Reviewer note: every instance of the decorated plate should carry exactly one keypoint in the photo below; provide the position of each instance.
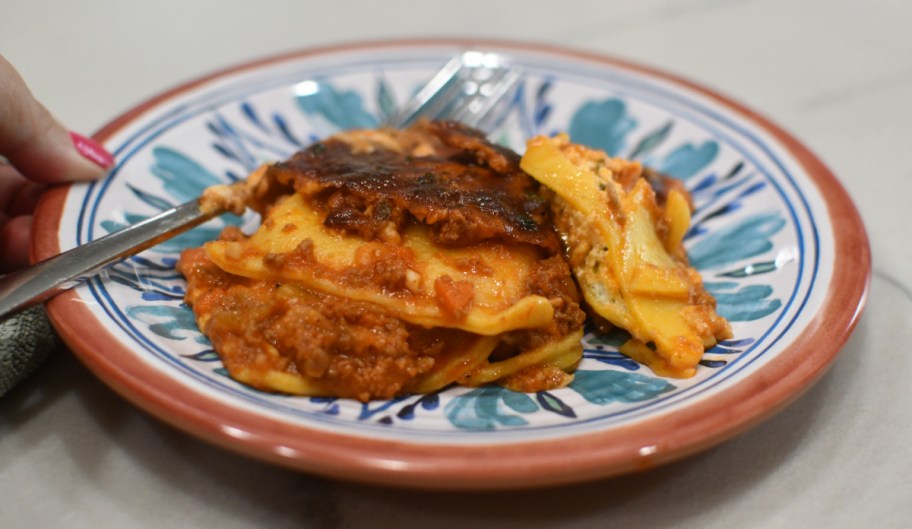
(774, 235)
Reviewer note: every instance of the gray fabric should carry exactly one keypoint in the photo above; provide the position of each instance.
(26, 339)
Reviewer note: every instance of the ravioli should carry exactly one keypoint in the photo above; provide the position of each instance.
(389, 262)
(413, 278)
(625, 249)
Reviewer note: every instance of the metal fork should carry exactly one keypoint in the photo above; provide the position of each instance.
(469, 89)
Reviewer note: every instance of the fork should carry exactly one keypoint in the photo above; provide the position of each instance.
(469, 89)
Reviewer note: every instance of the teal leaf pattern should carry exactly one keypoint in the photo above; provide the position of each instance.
(602, 125)
(385, 100)
(182, 177)
(173, 323)
(480, 408)
(651, 141)
(752, 269)
(748, 238)
(606, 387)
(342, 108)
(688, 160)
(747, 303)
(518, 402)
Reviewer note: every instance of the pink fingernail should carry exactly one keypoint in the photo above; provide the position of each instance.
(92, 150)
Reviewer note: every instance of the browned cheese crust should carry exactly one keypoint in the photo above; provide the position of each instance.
(438, 173)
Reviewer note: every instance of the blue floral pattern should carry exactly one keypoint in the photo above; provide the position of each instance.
(735, 240)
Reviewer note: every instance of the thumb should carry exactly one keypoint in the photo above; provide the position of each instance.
(36, 144)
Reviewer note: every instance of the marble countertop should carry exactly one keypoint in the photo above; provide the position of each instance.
(836, 74)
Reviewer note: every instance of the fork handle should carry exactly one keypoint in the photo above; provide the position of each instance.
(21, 289)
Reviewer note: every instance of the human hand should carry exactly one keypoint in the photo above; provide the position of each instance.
(38, 152)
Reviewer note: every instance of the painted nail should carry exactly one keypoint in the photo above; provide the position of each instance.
(92, 150)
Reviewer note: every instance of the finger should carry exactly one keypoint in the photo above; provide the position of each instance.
(26, 200)
(14, 243)
(36, 144)
(18, 196)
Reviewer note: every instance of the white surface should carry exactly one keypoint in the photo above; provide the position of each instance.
(836, 74)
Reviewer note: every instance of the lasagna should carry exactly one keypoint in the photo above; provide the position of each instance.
(389, 262)
(623, 227)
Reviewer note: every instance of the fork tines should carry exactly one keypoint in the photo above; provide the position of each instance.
(468, 89)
